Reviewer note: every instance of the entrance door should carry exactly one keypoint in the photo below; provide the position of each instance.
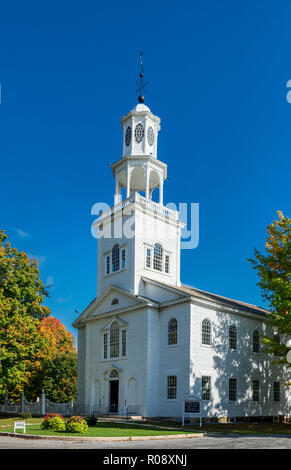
(114, 388)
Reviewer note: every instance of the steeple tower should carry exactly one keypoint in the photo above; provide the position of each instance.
(139, 169)
(152, 248)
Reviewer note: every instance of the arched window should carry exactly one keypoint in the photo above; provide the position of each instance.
(115, 302)
(114, 340)
(115, 258)
(113, 374)
(158, 256)
(206, 332)
(172, 331)
(256, 342)
(232, 337)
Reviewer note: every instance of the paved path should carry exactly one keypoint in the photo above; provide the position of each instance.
(210, 442)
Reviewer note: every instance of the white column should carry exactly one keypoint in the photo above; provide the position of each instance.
(147, 175)
(128, 181)
(116, 196)
(161, 190)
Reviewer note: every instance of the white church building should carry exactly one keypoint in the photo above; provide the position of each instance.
(147, 342)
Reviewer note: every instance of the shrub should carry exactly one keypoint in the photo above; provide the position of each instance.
(76, 424)
(91, 421)
(46, 424)
(57, 424)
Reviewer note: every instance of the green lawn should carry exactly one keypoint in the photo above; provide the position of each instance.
(107, 429)
(247, 428)
(10, 421)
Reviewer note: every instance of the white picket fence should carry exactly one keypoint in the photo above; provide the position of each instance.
(43, 406)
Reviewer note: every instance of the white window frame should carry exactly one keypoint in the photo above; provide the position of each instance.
(257, 390)
(163, 260)
(210, 387)
(206, 345)
(120, 343)
(232, 378)
(109, 254)
(173, 387)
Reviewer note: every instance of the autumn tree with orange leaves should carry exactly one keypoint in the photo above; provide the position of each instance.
(274, 269)
(29, 337)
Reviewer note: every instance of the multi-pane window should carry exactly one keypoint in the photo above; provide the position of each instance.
(158, 256)
(276, 391)
(123, 342)
(256, 390)
(256, 342)
(105, 345)
(232, 337)
(167, 264)
(206, 387)
(115, 258)
(232, 389)
(172, 387)
(172, 331)
(122, 259)
(114, 340)
(206, 332)
(148, 258)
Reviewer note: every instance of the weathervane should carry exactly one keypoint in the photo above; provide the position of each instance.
(140, 83)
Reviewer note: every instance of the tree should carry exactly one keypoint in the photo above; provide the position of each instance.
(21, 296)
(57, 350)
(60, 377)
(30, 339)
(274, 269)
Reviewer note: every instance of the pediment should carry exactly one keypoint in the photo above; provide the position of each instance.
(104, 304)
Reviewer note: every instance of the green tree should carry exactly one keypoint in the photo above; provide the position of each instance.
(21, 296)
(31, 341)
(274, 270)
(60, 377)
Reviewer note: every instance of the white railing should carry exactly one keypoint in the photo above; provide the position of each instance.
(148, 203)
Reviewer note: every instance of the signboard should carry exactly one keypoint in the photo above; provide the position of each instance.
(192, 407)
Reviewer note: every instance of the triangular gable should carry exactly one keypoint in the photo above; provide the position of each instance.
(103, 304)
(161, 292)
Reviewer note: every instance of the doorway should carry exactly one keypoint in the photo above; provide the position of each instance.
(113, 396)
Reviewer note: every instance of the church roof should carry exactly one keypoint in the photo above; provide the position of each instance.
(193, 291)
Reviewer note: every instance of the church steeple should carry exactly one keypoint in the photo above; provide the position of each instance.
(139, 170)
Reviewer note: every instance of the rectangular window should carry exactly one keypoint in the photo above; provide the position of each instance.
(232, 390)
(107, 264)
(206, 387)
(256, 390)
(167, 264)
(276, 391)
(114, 341)
(105, 346)
(122, 259)
(148, 258)
(124, 342)
(172, 387)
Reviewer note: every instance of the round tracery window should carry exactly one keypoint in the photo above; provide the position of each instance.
(150, 136)
(128, 136)
(139, 133)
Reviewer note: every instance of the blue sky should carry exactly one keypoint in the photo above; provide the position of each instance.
(217, 74)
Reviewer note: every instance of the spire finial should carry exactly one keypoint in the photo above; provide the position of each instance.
(140, 84)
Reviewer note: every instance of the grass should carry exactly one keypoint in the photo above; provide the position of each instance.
(245, 428)
(149, 428)
(108, 429)
(10, 421)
